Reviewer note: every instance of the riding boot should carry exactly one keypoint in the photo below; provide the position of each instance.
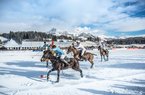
(83, 57)
(65, 62)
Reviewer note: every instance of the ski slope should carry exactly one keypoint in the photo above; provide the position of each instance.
(123, 74)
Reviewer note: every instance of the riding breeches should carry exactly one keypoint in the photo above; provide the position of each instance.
(62, 59)
(82, 52)
(62, 56)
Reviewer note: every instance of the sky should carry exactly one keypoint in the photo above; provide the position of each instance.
(98, 17)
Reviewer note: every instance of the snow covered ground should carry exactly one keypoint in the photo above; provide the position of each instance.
(123, 74)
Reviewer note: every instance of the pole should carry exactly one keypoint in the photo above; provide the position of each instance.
(35, 55)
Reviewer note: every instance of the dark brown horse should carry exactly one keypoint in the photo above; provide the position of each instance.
(103, 53)
(87, 56)
(58, 65)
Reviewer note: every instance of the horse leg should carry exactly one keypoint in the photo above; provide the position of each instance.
(78, 69)
(81, 73)
(49, 73)
(46, 63)
(92, 64)
(104, 58)
(101, 58)
(107, 57)
(58, 74)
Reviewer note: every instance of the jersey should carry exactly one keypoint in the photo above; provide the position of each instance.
(58, 51)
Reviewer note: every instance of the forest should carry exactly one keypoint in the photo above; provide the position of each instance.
(19, 36)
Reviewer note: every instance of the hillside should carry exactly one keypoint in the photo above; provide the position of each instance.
(127, 41)
(19, 36)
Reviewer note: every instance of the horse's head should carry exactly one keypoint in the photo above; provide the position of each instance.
(46, 55)
(70, 48)
(99, 47)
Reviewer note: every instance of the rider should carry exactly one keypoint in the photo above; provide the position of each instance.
(102, 44)
(45, 46)
(60, 54)
(81, 48)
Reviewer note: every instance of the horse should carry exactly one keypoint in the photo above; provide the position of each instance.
(87, 56)
(103, 53)
(44, 58)
(58, 65)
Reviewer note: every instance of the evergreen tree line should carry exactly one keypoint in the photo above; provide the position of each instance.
(127, 41)
(0, 42)
(19, 36)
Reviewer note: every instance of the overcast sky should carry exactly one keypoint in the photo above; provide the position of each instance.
(102, 17)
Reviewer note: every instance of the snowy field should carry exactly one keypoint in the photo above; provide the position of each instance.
(123, 74)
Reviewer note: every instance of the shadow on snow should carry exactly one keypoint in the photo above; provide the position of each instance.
(92, 91)
(24, 69)
(138, 88)
(138, 66)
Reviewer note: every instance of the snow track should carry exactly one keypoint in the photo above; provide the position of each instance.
(123, 74)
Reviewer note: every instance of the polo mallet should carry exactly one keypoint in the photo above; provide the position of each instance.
(35, 55)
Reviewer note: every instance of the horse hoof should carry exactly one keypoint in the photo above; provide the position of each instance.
(56, 81)
(47, 78)
(81, 75)
(91, 67)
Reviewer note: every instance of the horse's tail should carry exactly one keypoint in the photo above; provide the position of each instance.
(91, 53)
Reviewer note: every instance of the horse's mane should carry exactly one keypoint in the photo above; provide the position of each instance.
(74, 47)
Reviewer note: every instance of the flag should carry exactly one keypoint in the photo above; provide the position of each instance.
(52, 43)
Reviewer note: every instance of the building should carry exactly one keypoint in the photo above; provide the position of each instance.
(32, 45)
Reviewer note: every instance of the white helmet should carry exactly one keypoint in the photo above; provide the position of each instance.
(78, 42)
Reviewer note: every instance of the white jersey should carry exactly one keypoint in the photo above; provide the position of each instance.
(80, 47)
(103, 45)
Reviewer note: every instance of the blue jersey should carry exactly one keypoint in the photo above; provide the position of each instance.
(58, 51)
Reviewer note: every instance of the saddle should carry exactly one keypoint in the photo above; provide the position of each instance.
(59, 60)
(82, 57)
(105, 50)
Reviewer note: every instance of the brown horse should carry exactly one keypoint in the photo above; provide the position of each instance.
(58, 65)
(103, 53)
(44, 58)
(87, 56)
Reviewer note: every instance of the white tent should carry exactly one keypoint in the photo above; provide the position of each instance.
(12, 43)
